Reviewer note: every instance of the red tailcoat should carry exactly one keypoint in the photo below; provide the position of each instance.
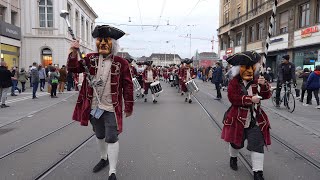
(146, 85)
(240, 107)
(133, 71)
(183, 77)
(121, 86)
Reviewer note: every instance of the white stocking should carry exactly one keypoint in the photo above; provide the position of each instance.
(153, 98)
(257, 161)
(103, 148)
(189, 95)
(113, 151)
(233, 152)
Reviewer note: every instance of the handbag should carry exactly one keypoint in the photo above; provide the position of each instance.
(54, 81)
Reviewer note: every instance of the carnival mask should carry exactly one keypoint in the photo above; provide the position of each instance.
(247, 72)
(104, 45)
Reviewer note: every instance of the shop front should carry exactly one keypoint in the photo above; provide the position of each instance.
(10, 36)
(307, 57)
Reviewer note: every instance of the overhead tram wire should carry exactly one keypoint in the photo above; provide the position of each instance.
(194, 7)
(162, 9)
(140, 14)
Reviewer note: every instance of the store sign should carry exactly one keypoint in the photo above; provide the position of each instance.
(309, 31)
(10, 30)
(276, 40)
(229, 51)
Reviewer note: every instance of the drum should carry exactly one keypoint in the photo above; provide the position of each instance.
(192, 86)
(155, 87)
(136, 85)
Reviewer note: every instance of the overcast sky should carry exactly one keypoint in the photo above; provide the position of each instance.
(202, 16)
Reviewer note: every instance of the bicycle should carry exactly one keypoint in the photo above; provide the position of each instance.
(286, 97)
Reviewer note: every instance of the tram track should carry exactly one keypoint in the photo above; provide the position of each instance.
(282, 142)
(52, 167)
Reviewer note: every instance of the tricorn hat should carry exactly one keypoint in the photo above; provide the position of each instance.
(189, 61)
(148, 63)
(140, 63)
(129, 59)
(245, 58)
(105, 31)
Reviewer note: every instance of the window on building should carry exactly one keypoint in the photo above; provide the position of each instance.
(251, 34)
(2, 13)
(77, 30)
(46, 13)
(284, 22)
(222, 45)
(14, 17)
(46, 55)
(70, 13)
(259, 30)
(229, 43)
(239, 12)
(239, 39)
(304, 14)
(82, 28)
(226, 17)
(88, 31)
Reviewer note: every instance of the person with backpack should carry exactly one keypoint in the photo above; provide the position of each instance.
(313, 85)
(305, 75)
(54, 80)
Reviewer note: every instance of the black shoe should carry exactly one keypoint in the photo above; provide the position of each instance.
(190, 101)
(182, 94)
(258, 175)
(145, 100)
(101, 164)
(19, 91)
(142, 96)
(186, 100)
(155, 101)
(277, 105)
(217, 98)
(4, 106)
(14, 95)
(233, 163)
(112, 177)
(35, 98)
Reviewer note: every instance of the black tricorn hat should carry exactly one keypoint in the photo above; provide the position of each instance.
(129, 59)
(245, 58)
(148, 63)
(183, 61)
(140, 63)
(189, 61)
(105, 31)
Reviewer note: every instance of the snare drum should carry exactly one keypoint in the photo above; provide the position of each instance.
(136, 84)
(192, 86)
(155, 87)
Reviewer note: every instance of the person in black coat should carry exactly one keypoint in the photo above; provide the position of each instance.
(69, 80)
(217, 79)
(5, 83)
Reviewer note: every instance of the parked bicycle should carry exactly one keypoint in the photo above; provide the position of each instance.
(286, 97)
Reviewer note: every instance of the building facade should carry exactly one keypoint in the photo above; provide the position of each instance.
(244, 26)
(45, 36)
(205, 59)
(164, 59)
(10, 32)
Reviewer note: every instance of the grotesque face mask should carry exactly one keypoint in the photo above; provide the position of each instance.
(104, 45)
(247, 72)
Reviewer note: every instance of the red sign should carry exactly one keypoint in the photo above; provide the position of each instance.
(229, 51)
(308, 31)
(206, 63)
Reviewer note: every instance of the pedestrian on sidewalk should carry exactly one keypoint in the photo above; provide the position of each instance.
(14, 81)
(34, 79)
(299, 71)
(69, 81)
(42, 77)
(313, 85)
(245, 119)
(62, 78)
(5, 83)
(29, 75)
(54, 79)
(23, 77)
(217, 79)
(305, 75)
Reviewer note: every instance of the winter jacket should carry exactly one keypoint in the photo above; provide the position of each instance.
(22, 76)
(5, 77)
(34, 74)
(305, 77)
(217, 75)
(53, 75)
(313, 82)
(63, 75)
(42, 73)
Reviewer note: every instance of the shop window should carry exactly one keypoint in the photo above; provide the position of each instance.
(46, 13)
(304, 15)
(2, 13)
(251, 34)
(259, 30)
(284, 22)
(46, 54)
(239, 39)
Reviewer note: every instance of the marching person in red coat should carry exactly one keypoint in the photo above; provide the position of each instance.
(133, 70)
(103, 93)
(149, 76)
(186, 74)
(245, 119)
(140, 70)
(183, 62)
